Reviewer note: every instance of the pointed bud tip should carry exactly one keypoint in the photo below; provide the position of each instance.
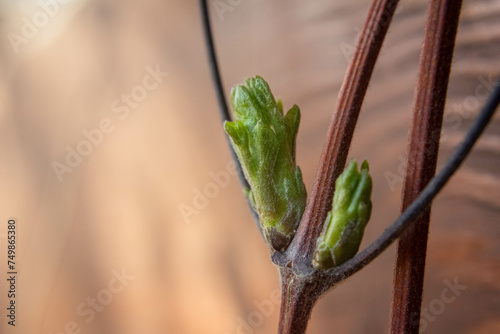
(353, 165)
(235, 131)
(365, 166)
(239, 95)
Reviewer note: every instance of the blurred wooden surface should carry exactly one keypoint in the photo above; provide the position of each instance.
(120, 208)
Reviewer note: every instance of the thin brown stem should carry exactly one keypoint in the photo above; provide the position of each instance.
(301, 290)
(430, 96)
(298, 296)
(342, 125)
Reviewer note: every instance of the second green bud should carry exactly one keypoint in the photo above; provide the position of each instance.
(344, 226)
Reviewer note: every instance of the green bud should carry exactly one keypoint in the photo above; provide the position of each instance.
(264, 141)
(344, 226)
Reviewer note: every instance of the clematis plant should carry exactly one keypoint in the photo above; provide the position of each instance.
(320, 253)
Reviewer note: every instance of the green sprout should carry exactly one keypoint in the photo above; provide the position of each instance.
(264, 141)
(344, 226)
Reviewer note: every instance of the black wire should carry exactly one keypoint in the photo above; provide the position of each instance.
(427, 195)
(221, 97)
(214, 66)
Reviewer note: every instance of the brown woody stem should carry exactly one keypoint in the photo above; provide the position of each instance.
(423, 150)
(298, 296)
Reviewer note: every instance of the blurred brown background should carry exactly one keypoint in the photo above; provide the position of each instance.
(120, 208)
